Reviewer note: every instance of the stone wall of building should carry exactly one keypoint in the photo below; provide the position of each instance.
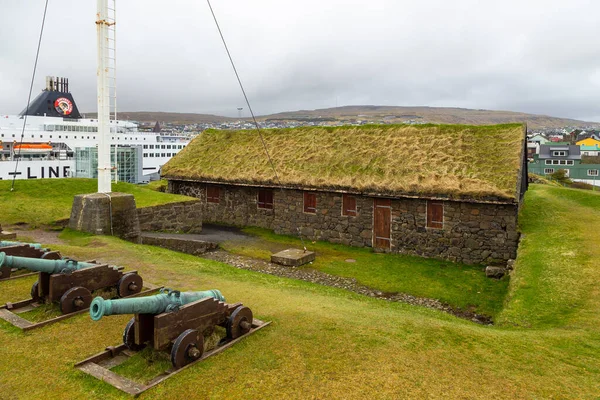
(472, 233)
(183, 217)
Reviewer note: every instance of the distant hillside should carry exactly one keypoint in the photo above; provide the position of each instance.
(438, 115)
(168, 117)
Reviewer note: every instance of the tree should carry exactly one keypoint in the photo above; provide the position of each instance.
(561, 177)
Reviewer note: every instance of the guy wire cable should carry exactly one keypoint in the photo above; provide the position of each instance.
(253, 117)
(37, 55)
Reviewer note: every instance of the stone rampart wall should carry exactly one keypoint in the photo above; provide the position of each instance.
(182, 217)
(194, 247)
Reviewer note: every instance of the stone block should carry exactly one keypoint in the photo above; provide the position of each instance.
(7, 235)
(106, 214)
(189, 246)
(293, 257)
(494, 272)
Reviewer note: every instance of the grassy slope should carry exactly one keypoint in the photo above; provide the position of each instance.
(328, 343)
(459, 285)
(436, 159)
(556, 283)
(44, 201)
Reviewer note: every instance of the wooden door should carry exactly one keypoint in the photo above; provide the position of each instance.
(382, 223)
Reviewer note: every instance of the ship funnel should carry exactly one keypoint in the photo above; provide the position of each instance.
(57, 84)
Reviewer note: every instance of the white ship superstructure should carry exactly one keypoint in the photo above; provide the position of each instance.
(55, 129)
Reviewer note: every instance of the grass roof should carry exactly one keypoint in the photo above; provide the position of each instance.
(455, 161)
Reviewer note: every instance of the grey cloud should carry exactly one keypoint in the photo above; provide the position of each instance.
(537, 56)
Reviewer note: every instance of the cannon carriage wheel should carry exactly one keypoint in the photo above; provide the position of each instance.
(239, 323)
(35, 292)
(129, 284)
(5, 272)
(129, 336)
(75, 299)
(188, 347)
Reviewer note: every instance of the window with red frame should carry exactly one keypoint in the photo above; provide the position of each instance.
(435, 214)
(310, 202)
(348, 205)
(213, 194)
(265, 199)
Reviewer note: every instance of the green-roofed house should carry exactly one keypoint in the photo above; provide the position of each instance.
(445, 191)
(590, 150)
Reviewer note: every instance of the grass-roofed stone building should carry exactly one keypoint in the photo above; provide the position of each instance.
(447, 191)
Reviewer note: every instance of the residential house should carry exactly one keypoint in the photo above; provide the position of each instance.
(590, 141)
(537, 138)
(590, 150)
(586, 135)
(567, 157)
(427, 190)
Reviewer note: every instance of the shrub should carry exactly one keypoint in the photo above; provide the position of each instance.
(561, 177)
(582, 185)
(159, 186)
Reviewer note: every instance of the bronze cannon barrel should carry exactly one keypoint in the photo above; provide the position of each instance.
(5, 243)
(42, 265)
(166, 300)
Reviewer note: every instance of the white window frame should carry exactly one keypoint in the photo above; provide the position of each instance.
(559, 153)
(548, 162)
(570, 162)
(592, 172)
(548, 171)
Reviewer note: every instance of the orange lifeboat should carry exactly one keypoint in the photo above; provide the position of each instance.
(32, 148)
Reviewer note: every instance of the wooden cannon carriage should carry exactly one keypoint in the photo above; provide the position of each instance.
(69, 283)
(170, 321)
(20, 249)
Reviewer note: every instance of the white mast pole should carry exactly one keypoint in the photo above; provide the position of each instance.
(104, 167)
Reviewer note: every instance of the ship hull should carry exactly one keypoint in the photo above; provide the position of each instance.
(36, 169)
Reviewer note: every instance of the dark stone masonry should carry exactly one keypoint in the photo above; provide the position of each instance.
(105, 214)
(472, 233)
(182, 217)
(188, 246)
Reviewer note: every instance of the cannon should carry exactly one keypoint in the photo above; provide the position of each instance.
(20, 249)
(8, 243)
(41, 265)
(70, 282)
(166, 300)
(176, 319)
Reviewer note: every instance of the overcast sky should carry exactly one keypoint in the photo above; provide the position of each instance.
(537, 56)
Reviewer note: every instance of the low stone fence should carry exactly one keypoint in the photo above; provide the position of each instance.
(182, 217)
(188, 246)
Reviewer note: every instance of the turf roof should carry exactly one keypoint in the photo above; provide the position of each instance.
(454, 161)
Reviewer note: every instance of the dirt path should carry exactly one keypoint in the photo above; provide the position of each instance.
(37, 235)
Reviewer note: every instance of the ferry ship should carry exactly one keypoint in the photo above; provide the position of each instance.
(55, 129)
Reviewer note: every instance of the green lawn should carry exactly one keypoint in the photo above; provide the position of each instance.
(556, 279)
(330, 343)
(41, 202)
(462, 286)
